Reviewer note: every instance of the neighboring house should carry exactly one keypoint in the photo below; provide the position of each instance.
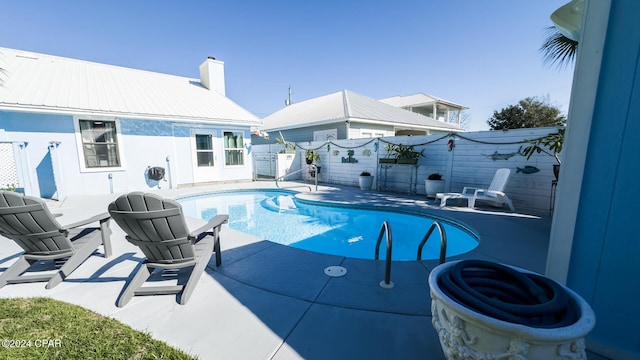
(428, 105)
(72, 127)
(347, 115)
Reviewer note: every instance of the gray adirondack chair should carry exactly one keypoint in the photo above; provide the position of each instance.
(28, 221)
(157, 226)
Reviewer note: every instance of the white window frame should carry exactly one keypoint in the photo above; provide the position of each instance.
(224, 149)
(325, 135)
(368, 133)
(213, 134)
(80, 143)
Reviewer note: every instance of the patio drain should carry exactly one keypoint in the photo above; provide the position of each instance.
(335, 271)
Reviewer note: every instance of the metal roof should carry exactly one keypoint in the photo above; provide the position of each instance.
(418, 100)
(346, 105)
(46, 83)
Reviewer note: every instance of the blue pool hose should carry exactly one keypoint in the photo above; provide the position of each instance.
(509, 295)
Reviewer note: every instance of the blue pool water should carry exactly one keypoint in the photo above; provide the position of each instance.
(344, 231)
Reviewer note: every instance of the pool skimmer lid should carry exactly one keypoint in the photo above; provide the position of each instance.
(335, 271)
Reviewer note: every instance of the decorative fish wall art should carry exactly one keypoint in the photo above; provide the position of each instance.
(497, 156)
(528, 169)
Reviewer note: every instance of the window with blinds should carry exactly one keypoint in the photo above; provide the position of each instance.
(99, 143)
(233, 148)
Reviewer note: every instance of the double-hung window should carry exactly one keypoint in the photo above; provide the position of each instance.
(233, 148)
(204, 149)
(99, 143)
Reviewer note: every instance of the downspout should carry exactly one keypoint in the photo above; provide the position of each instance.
(168, 160)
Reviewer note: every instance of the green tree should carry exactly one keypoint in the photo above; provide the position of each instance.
(528, 113)
(465, 119)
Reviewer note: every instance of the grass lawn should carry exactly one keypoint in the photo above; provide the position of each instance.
(43, 328)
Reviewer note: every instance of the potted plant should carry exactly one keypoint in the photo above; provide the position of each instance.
(289, 147)
(550, 144)
(365, 180)
(391, 151)
(407, 155)
(433, 185)
(311, 156)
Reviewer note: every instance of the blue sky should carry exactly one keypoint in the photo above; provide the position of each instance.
(481, 54)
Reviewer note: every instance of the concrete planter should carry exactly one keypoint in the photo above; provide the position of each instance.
(467, 334)
(365, 182)
(432, 187)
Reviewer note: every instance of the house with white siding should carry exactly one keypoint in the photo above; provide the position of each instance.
(428, 105)
(72, 127)
(348, 115)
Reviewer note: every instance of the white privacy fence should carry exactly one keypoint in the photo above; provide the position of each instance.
(466, 159)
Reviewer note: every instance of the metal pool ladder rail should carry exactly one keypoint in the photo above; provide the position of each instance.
(297, 171)
(385, 229)
(443, 241)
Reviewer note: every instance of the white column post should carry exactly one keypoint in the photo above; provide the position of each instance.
(56, 165)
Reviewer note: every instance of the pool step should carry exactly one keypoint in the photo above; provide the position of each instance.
(280, 203)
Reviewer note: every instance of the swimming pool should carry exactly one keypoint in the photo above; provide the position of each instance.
(322, 227)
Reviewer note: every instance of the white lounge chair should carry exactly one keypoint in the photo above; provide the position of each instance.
(493, 194)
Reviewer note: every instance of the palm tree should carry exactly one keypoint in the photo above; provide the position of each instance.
(558, 49)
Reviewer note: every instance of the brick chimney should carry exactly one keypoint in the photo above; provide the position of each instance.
(212, 75)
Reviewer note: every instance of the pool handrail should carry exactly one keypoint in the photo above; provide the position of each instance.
(385, 229)
(443, 241)
(313, 166)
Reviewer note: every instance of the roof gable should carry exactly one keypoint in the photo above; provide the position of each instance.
(49, 83)
(320, 110)
(346, 105)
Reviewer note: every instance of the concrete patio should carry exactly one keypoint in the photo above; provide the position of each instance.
(268, 301)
